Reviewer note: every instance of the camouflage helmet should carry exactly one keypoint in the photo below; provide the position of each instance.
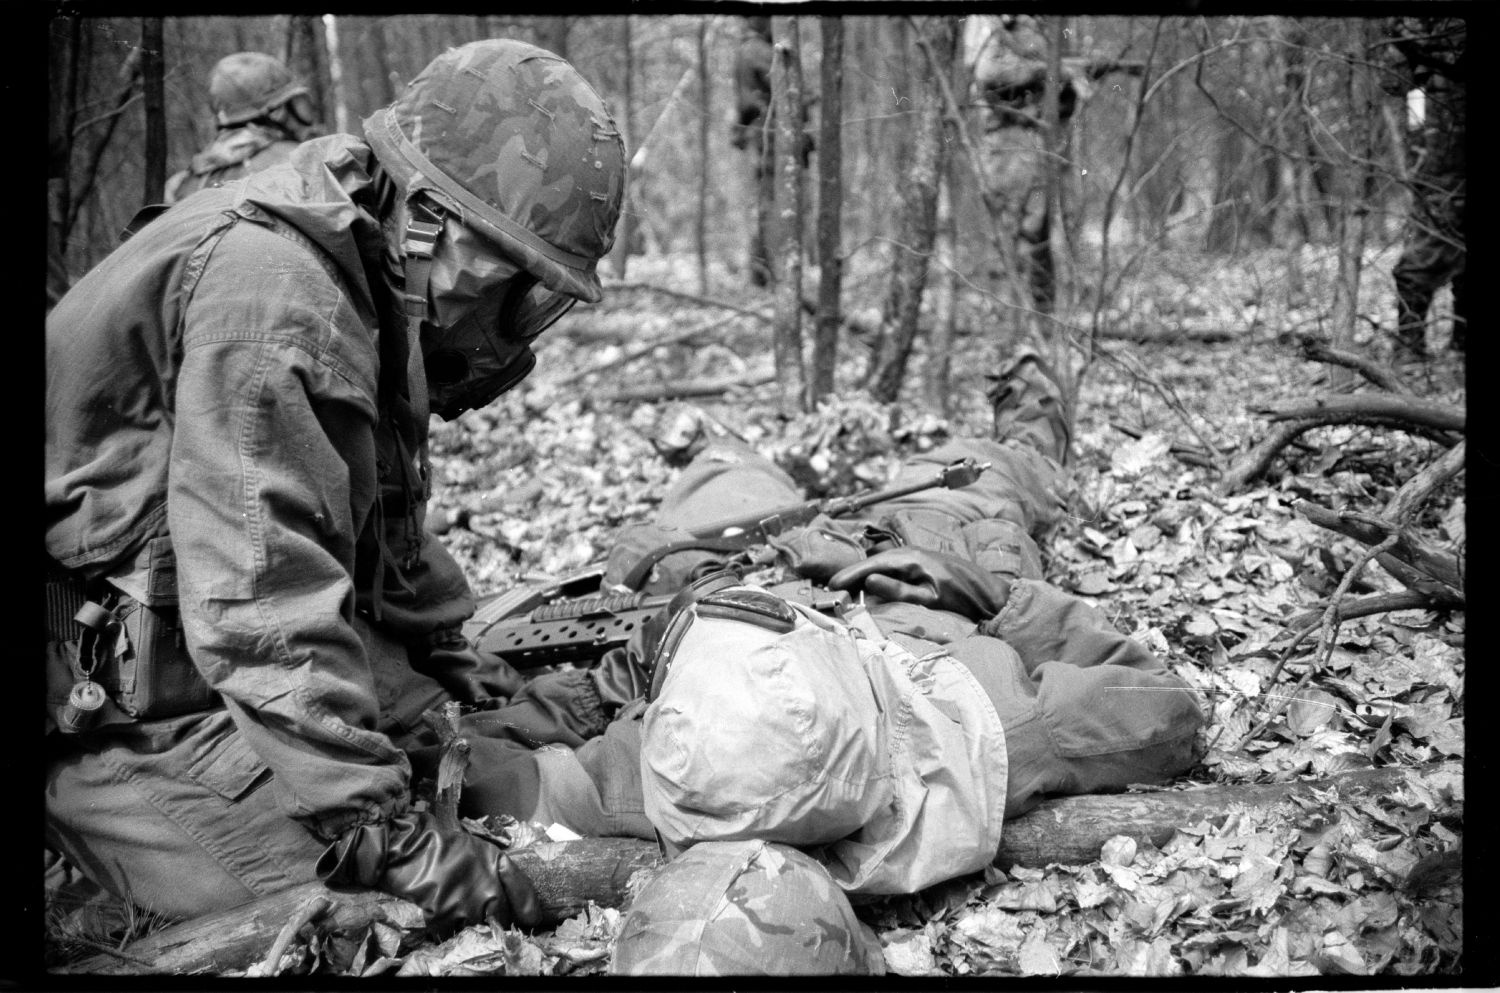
(512, 140)
(744, 908)
(247, 85)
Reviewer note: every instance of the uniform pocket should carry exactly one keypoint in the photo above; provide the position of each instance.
(229, 766)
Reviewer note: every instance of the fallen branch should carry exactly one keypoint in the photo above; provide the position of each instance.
(691, 298)
(1166, 335)
(1382, 603)
(1315, 350)
(1415, 491)
(569, 875)
(1445, 567)
(686, 388)
(1408, 413)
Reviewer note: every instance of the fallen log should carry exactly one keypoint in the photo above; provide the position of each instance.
(567, 876)
(570, 875)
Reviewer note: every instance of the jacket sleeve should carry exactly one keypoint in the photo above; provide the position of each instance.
(272, 476)
(1043, 624)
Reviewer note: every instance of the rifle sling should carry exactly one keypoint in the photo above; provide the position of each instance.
(641, 571)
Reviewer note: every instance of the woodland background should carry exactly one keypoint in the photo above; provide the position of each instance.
(1227, 218)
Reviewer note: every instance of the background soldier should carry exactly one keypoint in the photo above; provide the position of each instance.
(1010, 57)
(261, 111)
(1431, 54)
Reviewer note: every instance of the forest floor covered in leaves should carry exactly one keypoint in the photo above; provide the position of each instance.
(535, 486)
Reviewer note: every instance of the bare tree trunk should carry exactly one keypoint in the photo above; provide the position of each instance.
(705, 115)
(63, 85)
(786, 93)
(1053, 141)
(129, 74)
(918, 219)
(830, 202)
(626, 231)
(304, 56)
(336, 75)
(1358, 186)
(153, 85)
(382, 82)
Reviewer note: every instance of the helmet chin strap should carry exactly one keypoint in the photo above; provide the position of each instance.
(418, 242)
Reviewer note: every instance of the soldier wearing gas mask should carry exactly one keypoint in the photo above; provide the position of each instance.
(261, 112)
(246, 619)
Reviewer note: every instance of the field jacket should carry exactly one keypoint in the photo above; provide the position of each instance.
(217, 379)
(233, 154)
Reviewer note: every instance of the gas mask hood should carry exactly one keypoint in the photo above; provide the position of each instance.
(476, 310)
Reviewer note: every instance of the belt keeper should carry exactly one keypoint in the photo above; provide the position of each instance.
(94, 616)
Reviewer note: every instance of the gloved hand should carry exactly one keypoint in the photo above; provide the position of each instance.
(928, 579)
(455, 877)
(469, 674)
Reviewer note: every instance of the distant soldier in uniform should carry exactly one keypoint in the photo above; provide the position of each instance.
(1010, 57)
(1431, 59)
(262, 112)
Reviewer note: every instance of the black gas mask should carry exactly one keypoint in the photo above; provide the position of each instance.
(483, 312)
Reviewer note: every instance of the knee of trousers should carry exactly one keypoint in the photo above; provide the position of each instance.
(187, 830)
(595, 790)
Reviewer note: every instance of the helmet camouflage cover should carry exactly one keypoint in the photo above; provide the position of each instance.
(247, 85)
(744, 908)
(516, 143)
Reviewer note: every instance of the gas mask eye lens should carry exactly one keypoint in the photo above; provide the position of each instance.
(447, 367)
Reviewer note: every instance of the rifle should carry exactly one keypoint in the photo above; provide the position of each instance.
(571, 621)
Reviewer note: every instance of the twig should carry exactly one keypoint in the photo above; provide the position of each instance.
(1327, 631)
(686, 388)
(691, 298)
(310, 911)
(111, 951)
(641, 351)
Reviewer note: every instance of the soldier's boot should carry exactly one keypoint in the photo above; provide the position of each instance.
(1027, 400)
(684, 431)
(1413, 298)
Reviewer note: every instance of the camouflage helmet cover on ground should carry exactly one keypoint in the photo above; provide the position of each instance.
(514, 141)
(744, 908)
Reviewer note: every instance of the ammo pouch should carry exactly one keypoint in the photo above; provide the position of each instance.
(135, 650)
